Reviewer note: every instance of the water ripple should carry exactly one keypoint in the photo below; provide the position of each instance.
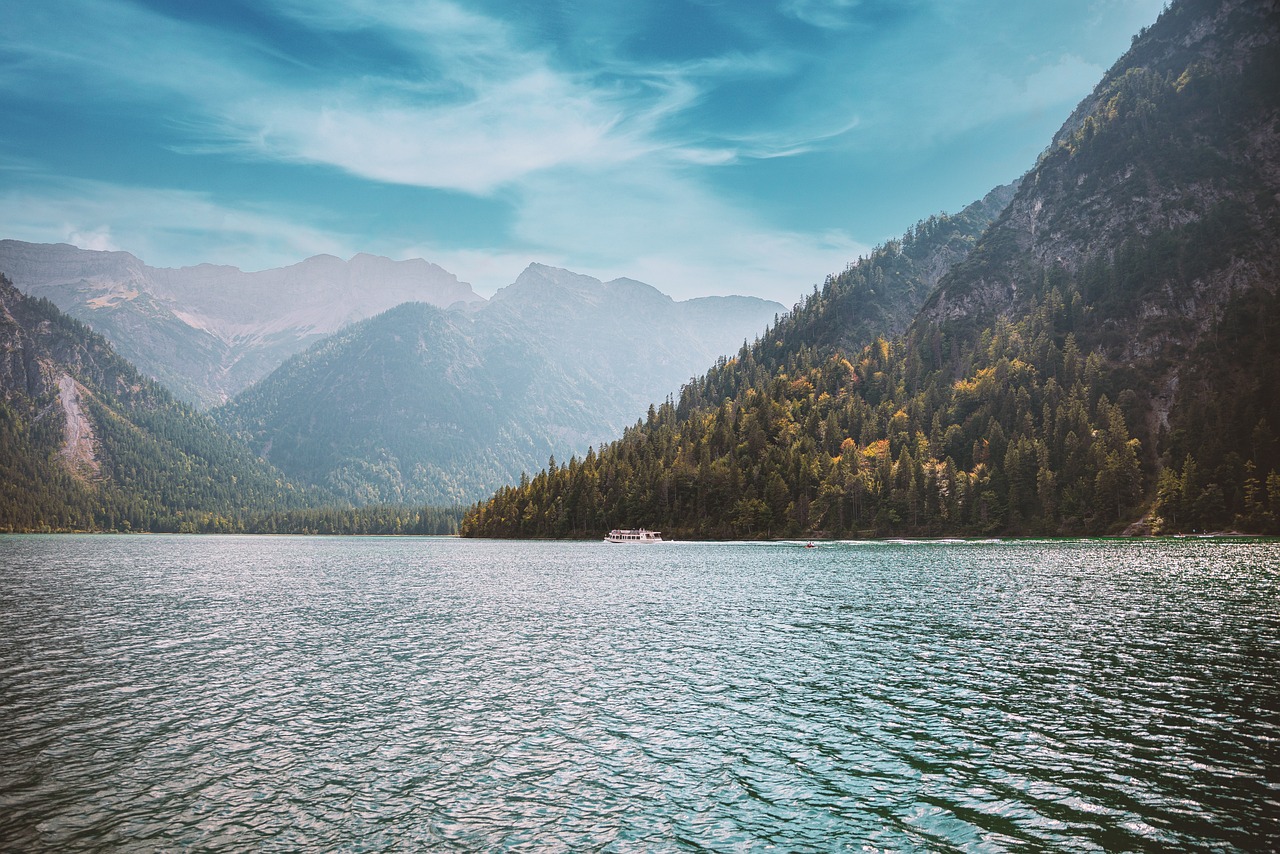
(381, 694)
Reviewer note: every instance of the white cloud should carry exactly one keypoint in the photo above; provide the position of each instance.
(481, 111)
(517, 127)
(99, 239)
(827, 14)
(162, 227)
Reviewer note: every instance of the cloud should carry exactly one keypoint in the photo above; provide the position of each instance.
(673, 234)
(475, 110)
(826, 14)
(98, 239)
(478, 109)
(519, 126)
(161, 226)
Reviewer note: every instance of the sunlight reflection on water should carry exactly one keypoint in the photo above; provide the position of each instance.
(286, 692)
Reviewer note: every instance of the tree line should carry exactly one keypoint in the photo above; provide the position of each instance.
(1033, 437)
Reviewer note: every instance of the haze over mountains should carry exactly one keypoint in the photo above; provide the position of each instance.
(209, 331)
(424, 405)
(86, 442)
(439, 400)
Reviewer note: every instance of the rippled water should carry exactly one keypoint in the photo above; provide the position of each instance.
(279, 693)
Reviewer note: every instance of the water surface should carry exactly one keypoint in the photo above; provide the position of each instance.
(286, 693)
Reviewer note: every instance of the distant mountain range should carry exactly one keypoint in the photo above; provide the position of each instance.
(393, 382)
(1104, 357)
(208, 332)
(425, 405)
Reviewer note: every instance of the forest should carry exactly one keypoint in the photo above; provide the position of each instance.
(1102, 358)
(1036, 438)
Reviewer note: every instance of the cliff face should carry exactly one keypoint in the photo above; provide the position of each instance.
(1159, 201)
(1176, 152)
(86, 442)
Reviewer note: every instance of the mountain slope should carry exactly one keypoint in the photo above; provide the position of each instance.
(207, 332)
(1156, 211)
(424, 405)
(876, 297)
(87, 443)
(1161, 179)
(1110, 346)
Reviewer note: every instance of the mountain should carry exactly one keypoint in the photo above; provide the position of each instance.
(1105, 357)
(421, 404)
(1155, 217)
(207, 332)
(87, 443)
(881, 294)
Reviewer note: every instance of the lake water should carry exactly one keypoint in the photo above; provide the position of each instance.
(291, 693)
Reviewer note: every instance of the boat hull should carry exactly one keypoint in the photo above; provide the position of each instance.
(633, 536)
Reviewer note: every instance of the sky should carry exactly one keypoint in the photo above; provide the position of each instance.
(702, 146)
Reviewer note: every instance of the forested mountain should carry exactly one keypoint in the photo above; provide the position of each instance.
(1109, 350)
(87, 443)
(209, 331)
(424, 405)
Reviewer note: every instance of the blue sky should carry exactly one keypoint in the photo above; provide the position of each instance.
(703, 146)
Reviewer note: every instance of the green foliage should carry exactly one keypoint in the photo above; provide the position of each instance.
(160, 465)
(883, 444)
(1137, 261)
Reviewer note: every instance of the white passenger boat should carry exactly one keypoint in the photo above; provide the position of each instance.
(633, 535)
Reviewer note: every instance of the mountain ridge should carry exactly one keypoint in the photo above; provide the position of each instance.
(208, 331)
(88, 443)
(1108, 351)
(421, 404)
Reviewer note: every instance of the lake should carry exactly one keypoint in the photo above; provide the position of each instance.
(370, 694)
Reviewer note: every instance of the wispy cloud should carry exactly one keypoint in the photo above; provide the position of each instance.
(163, 227)
(829, 14)
(482, 109)
(600, 149)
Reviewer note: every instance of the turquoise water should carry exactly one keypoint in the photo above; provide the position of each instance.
(282, 693)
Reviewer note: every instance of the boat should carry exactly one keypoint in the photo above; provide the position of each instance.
(810, 546)
(633, 535)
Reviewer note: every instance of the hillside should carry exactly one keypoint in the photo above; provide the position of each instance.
(424, 405)
(1108, 350)
(208, 332)
(1154, 217)
(87, 443)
